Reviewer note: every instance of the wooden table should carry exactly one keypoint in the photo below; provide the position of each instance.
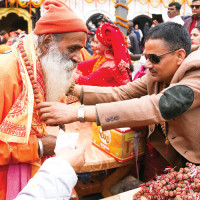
(123, 196)
(96, 159)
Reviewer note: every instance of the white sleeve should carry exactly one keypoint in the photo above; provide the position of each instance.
(54, 180)
(141, 34)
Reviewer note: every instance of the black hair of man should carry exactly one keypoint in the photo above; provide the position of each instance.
(173, 34)
(195, 0)
(197, 27)
(176, 4)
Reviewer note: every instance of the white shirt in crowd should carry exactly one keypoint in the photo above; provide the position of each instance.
(176, 19)
(54, 180)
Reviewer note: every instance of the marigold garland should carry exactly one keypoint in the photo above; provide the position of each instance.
(155, 5)
(127, 2)
(23, 5)
(189, 2)
(37, 5)
(89, 1)
(120, 4)
(101, 1)
(124, 25)
(12, 1)
(143, 3)
(167, 3)
(182, 1)
(98, 63)
(95, 56)
(121, 18)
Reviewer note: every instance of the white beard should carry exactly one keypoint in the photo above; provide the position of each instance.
(57, 73)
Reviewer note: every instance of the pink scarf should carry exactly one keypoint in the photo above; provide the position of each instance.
(140, 73)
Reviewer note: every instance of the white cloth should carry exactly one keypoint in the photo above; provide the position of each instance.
(54, 180)
(176, 19)
(141, 34)
(66, 139)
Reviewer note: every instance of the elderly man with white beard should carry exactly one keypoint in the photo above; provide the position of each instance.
(38, 68)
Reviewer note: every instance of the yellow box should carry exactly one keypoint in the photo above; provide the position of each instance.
(119, 143)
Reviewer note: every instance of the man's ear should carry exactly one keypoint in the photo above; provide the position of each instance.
(46, 42)
(181, 54)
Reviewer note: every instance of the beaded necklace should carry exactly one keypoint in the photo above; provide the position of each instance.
(163, 127)
(29, 69)
(163, 124)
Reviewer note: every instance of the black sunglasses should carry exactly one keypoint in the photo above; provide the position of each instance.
(155, 59)
(196, 6)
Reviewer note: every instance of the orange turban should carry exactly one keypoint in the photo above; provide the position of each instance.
(58, 18)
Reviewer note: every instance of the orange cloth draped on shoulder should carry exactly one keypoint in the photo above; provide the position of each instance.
(85, 55)
(19, 123)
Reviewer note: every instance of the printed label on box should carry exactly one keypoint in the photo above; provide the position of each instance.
(122, 144)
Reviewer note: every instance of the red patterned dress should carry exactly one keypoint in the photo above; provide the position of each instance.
(102, 71)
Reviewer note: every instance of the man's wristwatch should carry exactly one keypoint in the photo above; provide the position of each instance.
(81, 113)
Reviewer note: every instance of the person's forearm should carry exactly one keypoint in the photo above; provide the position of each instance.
(90, 114)
(77, 91)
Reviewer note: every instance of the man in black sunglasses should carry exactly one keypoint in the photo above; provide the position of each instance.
(167, 99)
(194, 20)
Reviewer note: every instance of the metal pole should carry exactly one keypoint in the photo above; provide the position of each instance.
(122, 12)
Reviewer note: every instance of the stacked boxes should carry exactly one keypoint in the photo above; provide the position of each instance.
(123, 143)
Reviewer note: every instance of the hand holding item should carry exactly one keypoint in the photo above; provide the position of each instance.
(155, 22)
(64, 139)
(76, 157)
(53, 113)
(76, 75)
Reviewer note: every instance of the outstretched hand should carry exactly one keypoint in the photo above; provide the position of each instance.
(54, 113)
(76, 157)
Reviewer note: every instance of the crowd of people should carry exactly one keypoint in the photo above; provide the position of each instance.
(7, 39)
(40, 69)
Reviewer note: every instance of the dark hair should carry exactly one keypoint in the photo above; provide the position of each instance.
(3, 32)
(173, 34)
(3, 40)
(176, 4)
(198, 27)
(195, 0)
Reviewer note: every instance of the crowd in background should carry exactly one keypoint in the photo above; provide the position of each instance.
(7, 39)
(135, 35)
